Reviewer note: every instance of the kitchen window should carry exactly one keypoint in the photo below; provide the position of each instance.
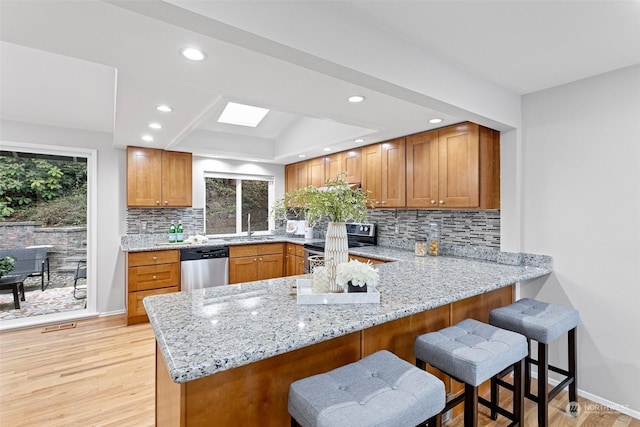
(230, 199)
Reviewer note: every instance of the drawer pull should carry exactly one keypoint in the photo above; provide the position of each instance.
(155, 258)
(155, 277)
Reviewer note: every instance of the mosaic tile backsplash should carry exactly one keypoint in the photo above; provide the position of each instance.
(396, 228)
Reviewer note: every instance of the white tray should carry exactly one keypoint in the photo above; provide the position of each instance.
(306, 296)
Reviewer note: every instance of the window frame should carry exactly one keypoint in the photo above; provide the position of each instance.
(239, 177)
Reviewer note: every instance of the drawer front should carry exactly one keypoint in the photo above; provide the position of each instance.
(243, 250)
(153, 257)
(270, 248)
(154, 277)
(135, 306)
(299, 250)
(291, 248)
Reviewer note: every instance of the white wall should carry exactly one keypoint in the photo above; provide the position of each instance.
(110, 199)
(581, 205)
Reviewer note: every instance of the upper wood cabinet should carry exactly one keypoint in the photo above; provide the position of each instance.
(454, 167)
(383, 173)
(347, 163)
(157, 178)
(352, 165)
(295, 176)
(315, 172)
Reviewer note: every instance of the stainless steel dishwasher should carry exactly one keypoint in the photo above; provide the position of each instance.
(204, 267)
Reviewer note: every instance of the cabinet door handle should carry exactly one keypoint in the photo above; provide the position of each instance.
(157, 202)
(166, 203)
(260, 259)
(383, 202)
(155, 277)
(433, 202)
(442, 202)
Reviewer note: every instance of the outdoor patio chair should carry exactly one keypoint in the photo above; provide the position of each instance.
(81, 273)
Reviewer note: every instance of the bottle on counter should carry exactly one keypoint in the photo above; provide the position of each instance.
(172, 233)
(179, 233)
(421, 246)
(434, 239)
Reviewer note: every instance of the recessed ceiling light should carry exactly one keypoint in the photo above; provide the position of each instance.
(358, 140)
(327, 149)
(147, 138)
(434, 121)
(193, 54)
(242, 115)
(155, 125)
(164, 108)
(356, 98)
(302, 155)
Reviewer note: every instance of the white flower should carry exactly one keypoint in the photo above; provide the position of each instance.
(356, 272)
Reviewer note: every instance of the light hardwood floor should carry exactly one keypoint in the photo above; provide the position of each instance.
(101, 373)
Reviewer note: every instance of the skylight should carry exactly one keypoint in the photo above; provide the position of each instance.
(243, 115)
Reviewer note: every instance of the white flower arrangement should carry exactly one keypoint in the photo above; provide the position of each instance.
(356, 272)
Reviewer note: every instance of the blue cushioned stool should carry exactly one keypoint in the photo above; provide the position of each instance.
(544, 323)
(378, 390)
(472, 352)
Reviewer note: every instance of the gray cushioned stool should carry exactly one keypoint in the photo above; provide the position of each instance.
(471, 352)
(378, 390)
(544, 323)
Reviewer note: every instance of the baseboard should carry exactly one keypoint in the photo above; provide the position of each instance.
(111, 313)
(600, 404)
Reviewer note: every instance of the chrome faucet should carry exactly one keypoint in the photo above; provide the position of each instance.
(249, 232)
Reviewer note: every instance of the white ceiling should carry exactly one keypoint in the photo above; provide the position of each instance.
(104, 66)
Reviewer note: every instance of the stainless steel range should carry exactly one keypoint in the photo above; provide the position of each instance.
(359, 234)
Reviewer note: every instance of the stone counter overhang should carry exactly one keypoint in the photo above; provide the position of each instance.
(215, 329)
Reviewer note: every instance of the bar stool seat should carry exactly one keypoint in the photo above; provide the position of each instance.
(544, 323)
(472, 352)
(378, 390)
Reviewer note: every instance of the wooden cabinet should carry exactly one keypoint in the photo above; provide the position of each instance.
(149, 273)
(294, 256)
(295, 176)
(383, 173)
(315, 172)
(352, 165)
(157, 178)
(248, 263)
(334, 166)
(454, 167)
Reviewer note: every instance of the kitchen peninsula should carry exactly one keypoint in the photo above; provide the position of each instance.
(226, 355)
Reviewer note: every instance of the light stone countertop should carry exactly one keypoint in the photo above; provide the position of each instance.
(215, 329)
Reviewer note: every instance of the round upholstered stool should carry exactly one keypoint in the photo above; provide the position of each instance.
(378, 390)
(544, 323)
(471, 352)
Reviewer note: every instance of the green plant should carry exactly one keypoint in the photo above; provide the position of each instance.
(336, 200)
(6, 265)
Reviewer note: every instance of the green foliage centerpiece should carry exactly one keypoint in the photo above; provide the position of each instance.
(338, 202)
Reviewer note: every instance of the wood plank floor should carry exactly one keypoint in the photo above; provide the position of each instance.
(101, 373)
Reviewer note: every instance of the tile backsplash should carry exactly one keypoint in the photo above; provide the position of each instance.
(157, 220)
(396, 228)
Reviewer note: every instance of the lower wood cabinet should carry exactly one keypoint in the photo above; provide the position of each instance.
(248, 263)
(294, 256)
(150, 273)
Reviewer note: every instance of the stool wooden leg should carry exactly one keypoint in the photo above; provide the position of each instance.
(518, 392)
(470, 406)
(543, 378)
(527, 370)
(573, 361)
(495, 397)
